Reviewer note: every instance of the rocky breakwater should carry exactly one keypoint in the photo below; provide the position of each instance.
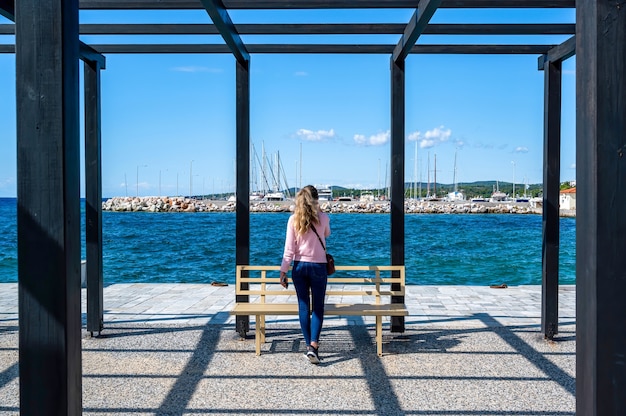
(431, 207)
(179, 204)
(464, 207)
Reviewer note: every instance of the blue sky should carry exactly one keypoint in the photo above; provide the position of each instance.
(169, 120)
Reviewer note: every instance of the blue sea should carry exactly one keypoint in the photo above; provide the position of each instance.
(441, 249)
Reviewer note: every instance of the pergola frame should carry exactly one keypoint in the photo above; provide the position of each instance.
(48, 191)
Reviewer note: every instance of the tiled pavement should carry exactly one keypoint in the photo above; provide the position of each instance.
(182, 303)
(171, 349)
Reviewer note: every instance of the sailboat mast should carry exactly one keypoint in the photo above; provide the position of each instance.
(415, 172)
(435, 184)
(454, 174)
(428, 177)
(263, 166)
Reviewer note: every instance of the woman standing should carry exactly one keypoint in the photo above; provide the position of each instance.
(307, 230)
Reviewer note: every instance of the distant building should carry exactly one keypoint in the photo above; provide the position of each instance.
(567, 199)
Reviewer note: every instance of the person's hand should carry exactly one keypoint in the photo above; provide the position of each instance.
(283, 280)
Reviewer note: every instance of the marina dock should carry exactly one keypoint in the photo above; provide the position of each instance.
(172, 349)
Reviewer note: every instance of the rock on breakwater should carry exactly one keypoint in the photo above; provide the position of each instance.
(180, 204)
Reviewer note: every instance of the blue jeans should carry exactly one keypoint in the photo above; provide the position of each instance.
(310, 281)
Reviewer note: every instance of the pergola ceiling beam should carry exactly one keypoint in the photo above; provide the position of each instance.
(319, 29)
(7, 9)
(90, 55)
(559, 53)
(87, 53)
(317, 49)
(221, 19)
(319, 4)
(414, 29)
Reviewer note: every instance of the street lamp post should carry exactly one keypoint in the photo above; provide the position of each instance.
(137, 185)
(190, 179)
(513, 162)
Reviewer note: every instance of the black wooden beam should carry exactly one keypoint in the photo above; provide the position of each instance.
(7, 9)
(313, 49)
(93, 197)
(559, 53)
(48, 214)
(317, 4)
(242, 226)
(551, 199)
(91, 56)
(318, 29)
(600, 202)
(221, 19)
(397, 178)
(414, 29)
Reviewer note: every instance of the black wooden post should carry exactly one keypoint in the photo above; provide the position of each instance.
(93, 197)
(48, 216)
(397, 178)
(600, 202)
(551, 188)
(242, 238)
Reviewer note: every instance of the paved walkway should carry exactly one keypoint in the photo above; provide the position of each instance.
(171, 349)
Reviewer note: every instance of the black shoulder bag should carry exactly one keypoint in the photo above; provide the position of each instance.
(330, 261)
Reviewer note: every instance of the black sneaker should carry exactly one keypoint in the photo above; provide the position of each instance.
(312, 355)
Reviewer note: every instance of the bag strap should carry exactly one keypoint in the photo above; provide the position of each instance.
(318, 237)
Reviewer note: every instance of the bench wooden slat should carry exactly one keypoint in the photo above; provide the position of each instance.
(386, 309)
(283, 292)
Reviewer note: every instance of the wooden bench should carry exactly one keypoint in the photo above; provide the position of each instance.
(359, 290)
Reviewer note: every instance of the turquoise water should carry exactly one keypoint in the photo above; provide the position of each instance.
(455, 249)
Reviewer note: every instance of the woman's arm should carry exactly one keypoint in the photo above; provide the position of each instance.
(290, 247)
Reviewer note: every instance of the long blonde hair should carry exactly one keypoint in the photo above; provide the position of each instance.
(305, 214)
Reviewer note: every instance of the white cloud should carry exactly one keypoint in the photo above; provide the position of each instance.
(426, 144)
(380, 138)
(196, 69)
(572, 166)
(416, 135)
(374, 140)
(521, 149)
(315, 136)
(439, 134)
(432, 137)
(301, 74)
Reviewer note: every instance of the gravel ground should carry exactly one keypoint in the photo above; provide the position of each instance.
(431, 369)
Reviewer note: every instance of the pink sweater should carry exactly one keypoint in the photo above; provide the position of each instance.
(305, 247)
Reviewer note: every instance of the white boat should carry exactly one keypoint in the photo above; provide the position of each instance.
(497, 195)
(274, 196)
(256, 196)
(455, 196)
(324, 193)
(366, 196)
(536, 202)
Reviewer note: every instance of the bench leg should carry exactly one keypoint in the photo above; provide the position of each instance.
(379, 336)
(259, 331)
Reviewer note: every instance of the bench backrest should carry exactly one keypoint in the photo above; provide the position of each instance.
(372, 282)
